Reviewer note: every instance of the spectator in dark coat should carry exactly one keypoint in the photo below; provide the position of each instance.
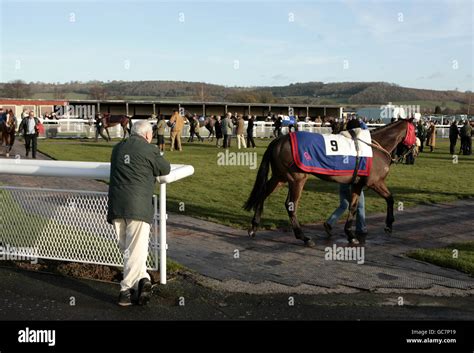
(250, 125)
(453, 136)
(277, 125)
(421, 133)
(29, 129)
(135, 164)
(466, 138)
(218, 130)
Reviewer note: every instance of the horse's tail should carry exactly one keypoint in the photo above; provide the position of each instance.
(259, 188)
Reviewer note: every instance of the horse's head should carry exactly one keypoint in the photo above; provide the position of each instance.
(10, 120)
(9, 125)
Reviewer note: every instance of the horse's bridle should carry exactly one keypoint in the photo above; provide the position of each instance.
(379, 147)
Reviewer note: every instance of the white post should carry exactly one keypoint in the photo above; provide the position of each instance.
(156, 224)
(163, 245)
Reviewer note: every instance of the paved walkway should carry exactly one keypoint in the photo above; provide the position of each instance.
(225, 258)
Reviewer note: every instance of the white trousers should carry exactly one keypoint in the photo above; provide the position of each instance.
(241, 140)
(133, 237)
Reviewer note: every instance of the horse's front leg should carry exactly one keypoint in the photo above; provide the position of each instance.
(8, 148)
(383, 191)
(124, 129)
(108, 135)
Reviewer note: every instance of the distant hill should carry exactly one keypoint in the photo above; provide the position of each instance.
(346, 93)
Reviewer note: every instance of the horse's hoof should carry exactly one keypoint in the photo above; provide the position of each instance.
(388, 230)
(353, 241)
(252, 233)
(309, 243)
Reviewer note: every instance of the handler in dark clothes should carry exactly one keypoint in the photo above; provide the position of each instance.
(135, 164)
(250, 140)
(453, 136)
(29, 128)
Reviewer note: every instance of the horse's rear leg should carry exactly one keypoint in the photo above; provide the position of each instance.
(355, 193)
(108, 135)
(383, 191)
(270, 186)
(101, 133)
(295, 187)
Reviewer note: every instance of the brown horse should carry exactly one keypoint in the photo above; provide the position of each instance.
(8, 128)
(106, 120)
(209, 123)
(279, 157)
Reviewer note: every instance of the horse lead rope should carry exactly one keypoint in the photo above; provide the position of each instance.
(379, 147)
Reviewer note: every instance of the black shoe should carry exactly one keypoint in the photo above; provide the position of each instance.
(144, 291)
(328, 229)
(125, 298)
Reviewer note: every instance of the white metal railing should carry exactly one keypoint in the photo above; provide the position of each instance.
(90, 170)
(82, 128)
(67, 225)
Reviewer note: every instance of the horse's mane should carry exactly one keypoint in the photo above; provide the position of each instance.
(381, 128)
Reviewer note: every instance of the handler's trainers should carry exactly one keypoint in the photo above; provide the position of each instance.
(125, 298)
(144, 291)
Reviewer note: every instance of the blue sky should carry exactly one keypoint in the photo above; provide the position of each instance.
(422, 44)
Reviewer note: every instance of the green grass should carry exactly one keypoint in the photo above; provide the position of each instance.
(427, 104)
(217, 193)
(444, 257)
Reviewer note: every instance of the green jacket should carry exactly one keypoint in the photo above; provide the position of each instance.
(135, 164)
(160, 126)
(466, 131)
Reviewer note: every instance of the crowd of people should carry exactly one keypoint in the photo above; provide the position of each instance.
(225, 127)
(220, 127)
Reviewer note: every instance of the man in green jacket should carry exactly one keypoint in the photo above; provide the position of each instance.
(135, 164)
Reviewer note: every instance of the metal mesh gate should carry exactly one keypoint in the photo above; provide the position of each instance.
(67, 225)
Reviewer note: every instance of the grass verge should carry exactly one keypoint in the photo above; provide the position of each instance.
(459, 256)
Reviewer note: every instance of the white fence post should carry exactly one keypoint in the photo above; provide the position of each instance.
(163, 244)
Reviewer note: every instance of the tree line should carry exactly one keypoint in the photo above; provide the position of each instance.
(295, 93)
